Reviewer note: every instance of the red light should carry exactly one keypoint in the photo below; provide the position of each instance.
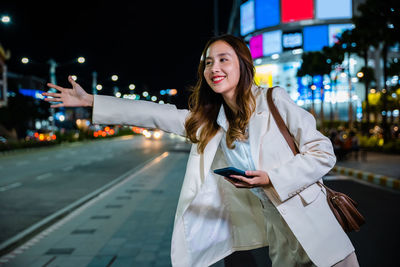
(36, 135)
(95, 134)
(112, 131)
(103, 134)
(54, 137)
(107, 129)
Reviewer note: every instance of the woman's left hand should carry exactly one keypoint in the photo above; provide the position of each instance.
(260, 179)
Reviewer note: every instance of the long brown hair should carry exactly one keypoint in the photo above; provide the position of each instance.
(204, 103)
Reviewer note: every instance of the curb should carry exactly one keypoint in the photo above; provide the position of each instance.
(373, 178)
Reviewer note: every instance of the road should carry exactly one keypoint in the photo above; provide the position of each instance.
(37, 183)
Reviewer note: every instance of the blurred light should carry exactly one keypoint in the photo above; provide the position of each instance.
(62, 118)
(36, 135)
(163, 92)
(104, 134)
(95, 134)
(118, 94)
(157, 135)
(74, 77)
(153, 98)
(5, 19)
(297, 51)
(360, 74)
(53, 137)
(383, 113)
(395, 128)
(132, 86)
(343, 75)
(300, 102)
(114, 78)
(173, 92)
(145, 94)
(112, 131)
(313, 87)
(99, 87)
(394, 95)
(354, 79)
(373, 91)
(390, 26)
(107, 129)
(81, 60)
(355, 97)
(275, 56)
(327, 87)
(258, 61)
(384, 90)
(41, 137)
(25, 60)
(395, 112)
(161, 102)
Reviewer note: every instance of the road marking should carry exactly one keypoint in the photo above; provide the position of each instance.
(10, 186)
(24, 162)
(68, 168)
(44, 176)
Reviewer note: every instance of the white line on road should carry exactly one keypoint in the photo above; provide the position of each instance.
(44, 176)
(10, 186)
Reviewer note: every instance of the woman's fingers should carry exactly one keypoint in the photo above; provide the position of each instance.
(53, 99)
(52, 94)
(57, 106)
(237, 184)
(59, 88)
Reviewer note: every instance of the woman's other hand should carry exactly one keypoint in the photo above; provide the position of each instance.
(69, 97)
(260, 179)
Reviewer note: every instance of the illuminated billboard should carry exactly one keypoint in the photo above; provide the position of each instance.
(272, 42)
(338, 9)
(247, 21)
(295, 10)
(315, 37)
(256, 46)
(266, 13)
(292, 40)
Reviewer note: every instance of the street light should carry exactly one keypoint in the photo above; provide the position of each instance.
(99, 87)
(5, 19)
(132, 86)
(114, 78)
(25, 60)
(81, 60)
(74, 77)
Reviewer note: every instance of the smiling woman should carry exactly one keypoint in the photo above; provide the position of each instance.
(229, 123)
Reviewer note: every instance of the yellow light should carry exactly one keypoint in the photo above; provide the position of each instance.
(153, 98)
(157, 135)
(373, 91)
(41, 137)
(173, 92)
(74, 77)
(25, 60)
(132, 86)
(313, 87)
(114, 78)
(384, 90)
(360, 74)
(99, 87)
(145, 94)
(81, 60)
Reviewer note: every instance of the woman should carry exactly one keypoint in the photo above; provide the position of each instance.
(229, 124)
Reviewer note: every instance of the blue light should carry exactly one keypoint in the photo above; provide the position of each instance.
(315, 37)
(266, 13)
(162, 92)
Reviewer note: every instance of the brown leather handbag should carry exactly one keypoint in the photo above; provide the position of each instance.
(342, 206)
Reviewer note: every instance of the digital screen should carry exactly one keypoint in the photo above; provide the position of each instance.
(256, 46)
(292, 40)
(266, 13)
(315, 37)
(272, 42)
(295, 10)
(336, 30)
(338, 9)
(247, 21)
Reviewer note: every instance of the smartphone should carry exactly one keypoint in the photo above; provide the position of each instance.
(229, 171)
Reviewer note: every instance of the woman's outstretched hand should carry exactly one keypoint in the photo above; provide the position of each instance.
(69, 97)
(260, 179)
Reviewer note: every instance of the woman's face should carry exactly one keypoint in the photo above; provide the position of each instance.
(222, 71)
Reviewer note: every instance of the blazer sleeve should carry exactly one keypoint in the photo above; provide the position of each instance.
(316, 157)
(113, 110)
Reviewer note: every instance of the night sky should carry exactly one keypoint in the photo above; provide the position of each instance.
(153, 44)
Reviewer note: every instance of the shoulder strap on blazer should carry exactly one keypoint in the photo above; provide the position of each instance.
(281, 124)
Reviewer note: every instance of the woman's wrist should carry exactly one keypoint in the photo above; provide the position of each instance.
(89, 100)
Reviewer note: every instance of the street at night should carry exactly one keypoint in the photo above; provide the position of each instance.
(200, 133)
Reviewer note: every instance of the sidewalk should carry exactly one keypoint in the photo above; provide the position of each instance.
(128, 225)
(378, 168)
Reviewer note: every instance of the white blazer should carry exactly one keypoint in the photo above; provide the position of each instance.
(214, 218)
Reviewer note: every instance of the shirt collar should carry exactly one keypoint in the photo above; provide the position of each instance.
(221, 119)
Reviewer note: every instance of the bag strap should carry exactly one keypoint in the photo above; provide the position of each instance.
(281, 124)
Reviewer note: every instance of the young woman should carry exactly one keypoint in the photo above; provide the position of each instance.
(229, 124)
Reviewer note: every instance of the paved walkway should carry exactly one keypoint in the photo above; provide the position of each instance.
(378, 168)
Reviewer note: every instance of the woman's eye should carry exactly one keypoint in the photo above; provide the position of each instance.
(208, 62)
(224, 59)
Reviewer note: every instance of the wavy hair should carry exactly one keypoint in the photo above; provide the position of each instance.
(204, 104)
